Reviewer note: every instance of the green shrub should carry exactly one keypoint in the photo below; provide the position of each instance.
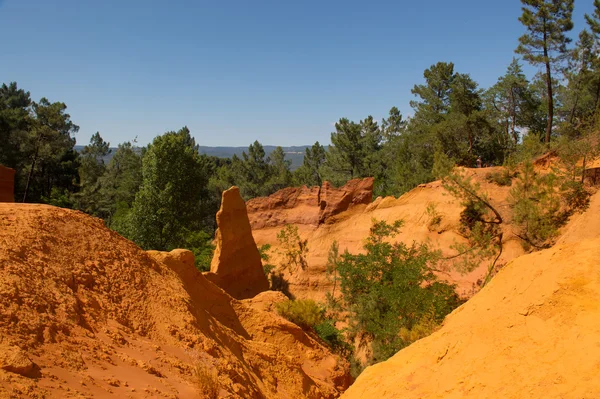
(434, 217)
(327, 331)
(390, 287)
(263, 250)
(536, 204)
(502, 177)
(200, 243)
(306, 313)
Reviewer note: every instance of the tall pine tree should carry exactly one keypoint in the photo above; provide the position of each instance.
(545, 42)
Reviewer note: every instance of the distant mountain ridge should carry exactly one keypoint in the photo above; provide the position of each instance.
(293, 153)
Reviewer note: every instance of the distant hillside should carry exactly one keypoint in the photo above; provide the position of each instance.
(294, 153)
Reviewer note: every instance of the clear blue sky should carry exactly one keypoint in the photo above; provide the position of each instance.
(278, 71)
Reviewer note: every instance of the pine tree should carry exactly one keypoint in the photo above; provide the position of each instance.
(512, 102)
(545, 42)
(310, 173)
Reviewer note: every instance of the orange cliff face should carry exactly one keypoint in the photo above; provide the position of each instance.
(532, 332)
(308, 206)
(7, 184)
(86, 313)
(349, 225)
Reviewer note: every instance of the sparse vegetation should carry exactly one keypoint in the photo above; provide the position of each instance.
(206, 376)
(480, 220)
(293, 249)
(306, 313)
(311, 316)
(501, 177)
(434, 217)
(265, 257)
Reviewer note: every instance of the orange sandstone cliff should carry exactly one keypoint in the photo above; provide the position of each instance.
(308, 206)
(86, 313)
(350, 226)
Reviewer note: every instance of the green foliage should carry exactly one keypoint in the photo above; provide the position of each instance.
(293, 249)
(15, 122)
(545, 42)
(354, 150)
(310, 173)
(91, 169)
(536, 206)
(512, 104)
(480, 220)
(47, 157)
(170, 200)
(255, 173)
(263, 250)
(434, 216)
(119, 184)
(501, 177)
(200, 243)
(424, 327)
(281, 177)
(333, 259)
(327, 331)
(390, 287)
(306, 313)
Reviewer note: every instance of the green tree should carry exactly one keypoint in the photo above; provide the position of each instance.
(354, 150)
(169, 205)
(576, 97)
(91, 168)
(15, 120)
(51, 162)
(310, 173)
(512, 103)
(391, 287)
(545, 43)
(119, 185)
(281, 177)
(434, 94)
(345, 155)
(256, 172)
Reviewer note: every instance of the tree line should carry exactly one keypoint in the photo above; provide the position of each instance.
(165, 194)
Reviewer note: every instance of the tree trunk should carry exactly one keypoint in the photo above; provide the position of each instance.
(35, 157)
(513, 116)
(583, 171)
(597, 97)
(550, 96)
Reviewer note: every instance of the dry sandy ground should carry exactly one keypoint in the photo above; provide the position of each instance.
(86, 313)
(533, 332)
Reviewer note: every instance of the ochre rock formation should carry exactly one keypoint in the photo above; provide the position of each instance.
(308, 206)
(351, 227)
(236, 265)
(532, 332)
(86, 313)
(292, 205)
(7, 184)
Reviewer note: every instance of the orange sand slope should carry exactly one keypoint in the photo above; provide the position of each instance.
(533, 332)
(86, 313)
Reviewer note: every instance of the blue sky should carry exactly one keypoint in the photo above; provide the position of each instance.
(281, 72)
